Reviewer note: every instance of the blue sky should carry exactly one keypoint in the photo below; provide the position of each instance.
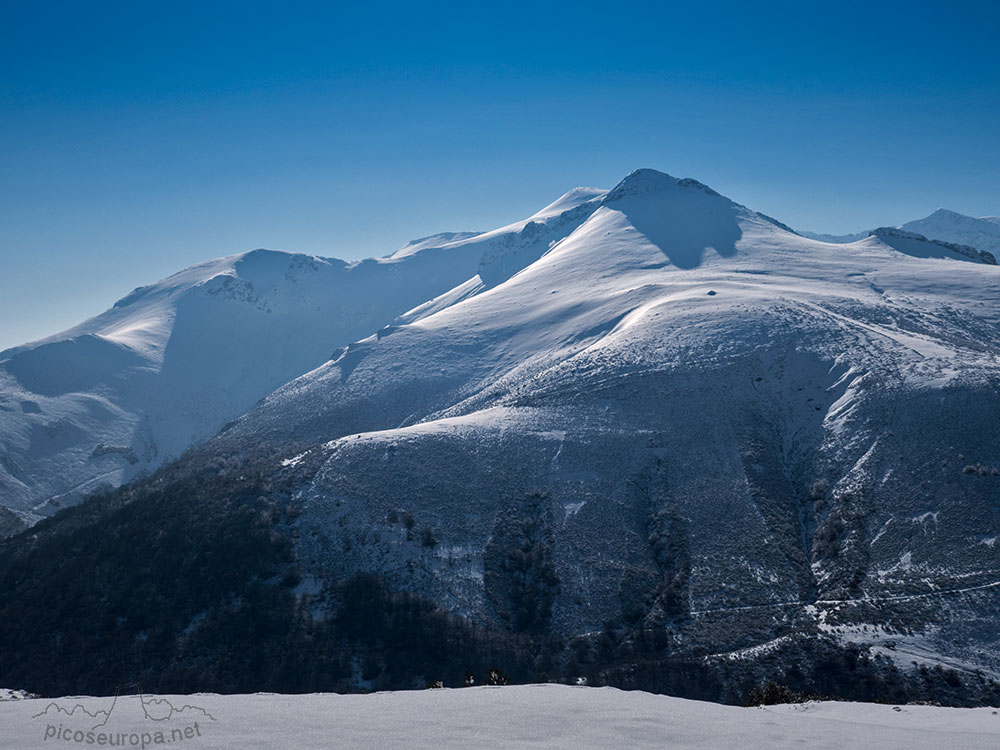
(137, 138)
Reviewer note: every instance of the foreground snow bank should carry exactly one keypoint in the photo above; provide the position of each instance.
(535, 716)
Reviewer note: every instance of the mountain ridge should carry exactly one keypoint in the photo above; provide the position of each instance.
(95, 400)
(171, 362)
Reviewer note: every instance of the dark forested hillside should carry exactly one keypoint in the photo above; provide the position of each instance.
(188, 581)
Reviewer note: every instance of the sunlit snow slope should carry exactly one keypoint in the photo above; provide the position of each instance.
(172, 362)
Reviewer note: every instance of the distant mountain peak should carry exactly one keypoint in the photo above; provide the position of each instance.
(943, 225)
(947, 212)
(982, 233)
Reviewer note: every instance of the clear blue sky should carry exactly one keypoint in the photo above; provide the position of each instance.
(137, 138)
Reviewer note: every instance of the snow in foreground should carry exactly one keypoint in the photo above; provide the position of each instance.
(536, 716)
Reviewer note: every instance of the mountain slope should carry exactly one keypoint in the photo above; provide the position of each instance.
(801, 428)
(172, 362)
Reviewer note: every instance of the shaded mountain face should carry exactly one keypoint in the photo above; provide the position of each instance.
(655, 425)
(172, 362)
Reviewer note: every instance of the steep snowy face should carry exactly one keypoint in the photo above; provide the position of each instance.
(171, 363)
(721, 428)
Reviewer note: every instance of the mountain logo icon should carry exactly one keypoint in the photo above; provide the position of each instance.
(157, 719)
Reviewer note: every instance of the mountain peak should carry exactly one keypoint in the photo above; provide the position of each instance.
(947, 213)
(982, 233)
(954, 216)
(641, 181)
(647, 180)
(947, 217)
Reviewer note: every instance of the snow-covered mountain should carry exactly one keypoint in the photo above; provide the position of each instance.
(790, 430)
(171, 363)
(949, 226)
(650, 421)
